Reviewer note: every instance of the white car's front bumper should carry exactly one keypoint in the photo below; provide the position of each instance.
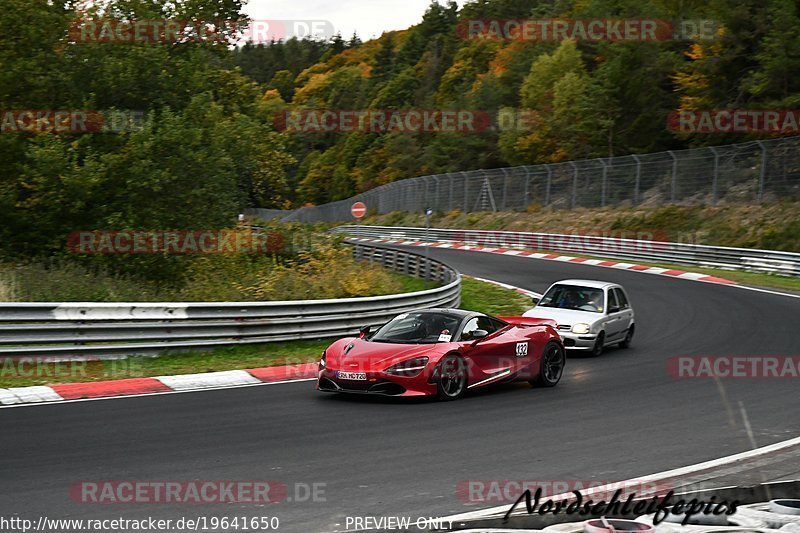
(573, 341)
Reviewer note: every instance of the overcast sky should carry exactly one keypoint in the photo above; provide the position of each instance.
(368, 17)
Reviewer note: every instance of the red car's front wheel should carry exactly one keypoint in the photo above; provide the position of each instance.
(551, 365)
(452, 382)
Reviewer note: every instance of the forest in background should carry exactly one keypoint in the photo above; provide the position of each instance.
(207, 146)
(586, 99)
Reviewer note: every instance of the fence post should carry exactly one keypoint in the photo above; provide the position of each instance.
(505, 188)
(547, 185)
(603, 186)
(527, 200)
(574, 183)
(466, 182)
(487, 186)
(763, 173)
(638, 179)
(715, 176)
(450, 202)
(674, 176)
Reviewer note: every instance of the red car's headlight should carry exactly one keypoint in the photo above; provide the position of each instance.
(322, 360)
(410, 368)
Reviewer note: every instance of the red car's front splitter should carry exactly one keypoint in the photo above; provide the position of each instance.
(376, 383)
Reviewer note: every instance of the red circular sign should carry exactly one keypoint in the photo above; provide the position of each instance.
(358, 209)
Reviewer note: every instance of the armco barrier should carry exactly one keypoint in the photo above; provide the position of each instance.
(753, 260)
(107, 330)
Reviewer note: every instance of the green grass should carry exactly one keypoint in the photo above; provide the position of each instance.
(756, 279)
(492, 299)
(476, 295)
(412, 284)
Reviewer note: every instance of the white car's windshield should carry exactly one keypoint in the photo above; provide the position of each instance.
(418, 328)
(573, 297)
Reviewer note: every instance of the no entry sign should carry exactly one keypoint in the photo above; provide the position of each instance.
(358, 209)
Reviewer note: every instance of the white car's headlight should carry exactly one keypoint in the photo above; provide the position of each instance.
(580, 328)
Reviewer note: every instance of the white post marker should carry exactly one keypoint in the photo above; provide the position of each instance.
(358, 209)
(428, 213)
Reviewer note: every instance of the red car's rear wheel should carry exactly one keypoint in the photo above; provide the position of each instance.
(452, 382)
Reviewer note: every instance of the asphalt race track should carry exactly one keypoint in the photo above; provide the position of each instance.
(614, 417)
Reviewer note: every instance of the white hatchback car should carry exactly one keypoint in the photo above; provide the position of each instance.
(590, 314)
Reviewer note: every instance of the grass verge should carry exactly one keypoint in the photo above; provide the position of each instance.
(476, 295)
(492, 299)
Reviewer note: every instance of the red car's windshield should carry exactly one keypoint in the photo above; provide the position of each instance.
(418, 328)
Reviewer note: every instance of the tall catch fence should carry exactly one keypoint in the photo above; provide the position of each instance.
(749, 172)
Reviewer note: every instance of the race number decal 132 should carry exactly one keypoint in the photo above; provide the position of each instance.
(522, 349)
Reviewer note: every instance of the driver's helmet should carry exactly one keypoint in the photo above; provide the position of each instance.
(436, 324)
(421, 326)
(571, 298)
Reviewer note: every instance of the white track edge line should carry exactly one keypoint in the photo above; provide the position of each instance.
(160, 393)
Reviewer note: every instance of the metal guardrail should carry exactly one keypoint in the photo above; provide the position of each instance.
(652, 251)
(108, 330)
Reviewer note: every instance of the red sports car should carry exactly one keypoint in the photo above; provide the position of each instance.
(443, 352)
